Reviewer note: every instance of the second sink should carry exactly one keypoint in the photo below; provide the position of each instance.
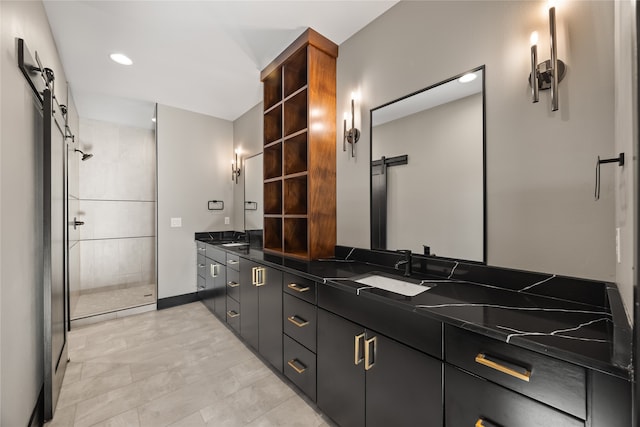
(394, 285)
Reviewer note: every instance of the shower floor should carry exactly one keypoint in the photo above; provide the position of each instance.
(113, 299)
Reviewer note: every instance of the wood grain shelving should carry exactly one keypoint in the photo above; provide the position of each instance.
(300, 149)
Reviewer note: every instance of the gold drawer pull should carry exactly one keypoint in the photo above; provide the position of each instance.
(232, 314)
(524, 375)
(293, 362)
(299, 323)
(369, 354)
(232, 262)
(233, 284)
(356, 349)
(297, 287)
(484, 423)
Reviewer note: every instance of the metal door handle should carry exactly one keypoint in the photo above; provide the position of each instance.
(504, 367)
(214, 270)
(233, 284)
(253, 275)
(202, 249)
(356, 349)
(299, 323)
(232, 262)
(201, 266)
(232, 314)
(369, 354)
(297, 287)
(293, 363)
(260, 274)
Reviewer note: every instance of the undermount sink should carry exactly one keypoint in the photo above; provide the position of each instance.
(395, 285)
(231, 245)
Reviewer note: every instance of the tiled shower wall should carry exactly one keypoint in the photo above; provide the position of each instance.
(118, 205)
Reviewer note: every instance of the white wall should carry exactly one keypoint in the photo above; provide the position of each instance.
(626, 135)
(540, 164)
(21, 339)
(248, 137)
(194, 166)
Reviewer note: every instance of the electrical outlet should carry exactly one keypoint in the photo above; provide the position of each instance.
(176, 222)
(618, 244)
(227, 220)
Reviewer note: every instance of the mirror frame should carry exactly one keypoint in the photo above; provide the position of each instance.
(484, 161)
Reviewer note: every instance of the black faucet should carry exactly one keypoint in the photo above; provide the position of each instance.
(406, 261)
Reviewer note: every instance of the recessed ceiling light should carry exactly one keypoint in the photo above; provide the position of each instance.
(467, 78)
(121, 58)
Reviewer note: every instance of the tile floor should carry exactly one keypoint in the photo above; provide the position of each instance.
(112, 299)
(175, 367)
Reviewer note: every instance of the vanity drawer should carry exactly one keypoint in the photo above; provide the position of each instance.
(233, 284)
(300, 320)
(300, 367)
(201, 248)
(543, 378)
(473, 401)
(202, 284)
(201, 266)
(216, 254)
(233, 314)
(300, 287)
(233, 261)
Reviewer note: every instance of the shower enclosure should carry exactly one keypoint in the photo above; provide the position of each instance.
(116, 211)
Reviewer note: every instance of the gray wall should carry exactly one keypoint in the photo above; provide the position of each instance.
(21, 340)
(540, 165)
(194, 154)
(247, 136)
(117, 204)
(436, 199)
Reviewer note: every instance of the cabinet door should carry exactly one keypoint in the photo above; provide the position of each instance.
(248, 303)
(403, 385)
(208, 291)
(341, 374)
(219, 293)
(270, 315)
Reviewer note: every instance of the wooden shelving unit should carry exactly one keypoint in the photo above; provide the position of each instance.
(300, 149)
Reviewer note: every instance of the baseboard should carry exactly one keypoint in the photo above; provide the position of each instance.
(37, 416)
(176, 300)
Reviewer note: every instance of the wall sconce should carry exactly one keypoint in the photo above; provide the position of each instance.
(549, 73)
(352, 135)
(236, 167)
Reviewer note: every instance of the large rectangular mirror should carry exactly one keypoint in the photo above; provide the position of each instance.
(428, 170)
(253, 207)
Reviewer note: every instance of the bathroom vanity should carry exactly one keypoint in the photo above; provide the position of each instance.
(479, 346)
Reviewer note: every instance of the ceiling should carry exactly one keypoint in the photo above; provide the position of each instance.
(201, 56)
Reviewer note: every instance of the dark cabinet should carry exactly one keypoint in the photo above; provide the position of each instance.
(215, 292)
(261, 320)
(365, 377)
(471, 400)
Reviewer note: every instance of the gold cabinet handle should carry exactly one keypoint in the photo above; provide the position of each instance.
(260, 276)
(369, 354)
(356, 349)
(293, 363)
(254, 280)
(232, 262)
(297, 287)
(214, 270)
(201, 266)
(294, 319)
(202, 249)
(484, 423)
(233, 284)
(232, 314)
(519, 373)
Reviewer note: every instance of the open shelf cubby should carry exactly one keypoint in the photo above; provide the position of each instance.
(273, 198)
(295, 113)
(273, 161)
(273, 125)
(273, 233)
(273, 89)
(295, 154)
(295, 195)
(295, 236)
(295, 72)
